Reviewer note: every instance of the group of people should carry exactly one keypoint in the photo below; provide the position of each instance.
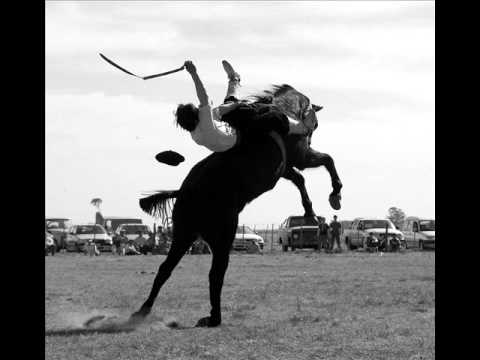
(124, 246)
(140, 245)
(329, 234)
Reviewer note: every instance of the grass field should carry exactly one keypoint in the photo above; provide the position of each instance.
(276, 306)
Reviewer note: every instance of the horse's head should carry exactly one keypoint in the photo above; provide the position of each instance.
(297, 106)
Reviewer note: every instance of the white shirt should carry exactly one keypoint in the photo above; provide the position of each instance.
(208, 134)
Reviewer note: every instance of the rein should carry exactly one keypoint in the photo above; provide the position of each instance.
(141, 77)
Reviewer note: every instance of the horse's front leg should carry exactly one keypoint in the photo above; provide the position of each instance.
(315, 159)
(297, 179)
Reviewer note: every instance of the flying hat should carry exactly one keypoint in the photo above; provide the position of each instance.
(169, 157)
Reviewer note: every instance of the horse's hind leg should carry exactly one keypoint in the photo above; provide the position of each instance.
(182, 240)
(220, 243)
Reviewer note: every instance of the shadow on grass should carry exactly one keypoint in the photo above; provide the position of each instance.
(75, 332)
(110, 329)
(98, 324)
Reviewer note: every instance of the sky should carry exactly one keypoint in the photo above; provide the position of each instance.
(371, 64)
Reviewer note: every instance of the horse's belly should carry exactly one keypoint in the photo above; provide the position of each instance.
(228, 179)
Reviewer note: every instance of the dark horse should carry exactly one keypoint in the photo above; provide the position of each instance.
(217, 189)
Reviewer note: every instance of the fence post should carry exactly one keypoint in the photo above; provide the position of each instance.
(155, 243)
(386, 238)
(271, 239)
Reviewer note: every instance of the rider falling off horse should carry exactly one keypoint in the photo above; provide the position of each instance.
(202, 121)
(199, 121)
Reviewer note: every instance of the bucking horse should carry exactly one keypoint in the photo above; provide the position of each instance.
(217, 188)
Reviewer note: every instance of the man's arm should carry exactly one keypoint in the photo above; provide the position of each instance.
(201, 92)
(226, 108)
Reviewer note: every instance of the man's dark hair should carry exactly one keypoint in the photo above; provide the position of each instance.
(186, 116)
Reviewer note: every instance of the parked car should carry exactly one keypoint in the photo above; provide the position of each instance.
(244, 237)
(131, 230)
(58, 228)
(79, 235)
(419, 232)
(298, 232)
(111, 223)
(356, 235)
(49, 244)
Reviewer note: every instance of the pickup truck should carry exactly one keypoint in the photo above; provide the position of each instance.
(419, 232)
(298, 232)
(356, 235)
(244, 237)
(79, 235)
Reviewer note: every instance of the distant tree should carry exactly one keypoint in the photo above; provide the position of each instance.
(397, 216)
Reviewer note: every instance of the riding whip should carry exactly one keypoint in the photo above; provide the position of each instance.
(141, 77)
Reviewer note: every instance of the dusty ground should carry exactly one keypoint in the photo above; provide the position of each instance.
(276, 306)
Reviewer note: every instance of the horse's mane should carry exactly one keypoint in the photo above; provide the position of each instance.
(285, 97)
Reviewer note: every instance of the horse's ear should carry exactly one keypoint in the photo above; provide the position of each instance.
(316, 107)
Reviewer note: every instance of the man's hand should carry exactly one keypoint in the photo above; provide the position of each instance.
(190, 67)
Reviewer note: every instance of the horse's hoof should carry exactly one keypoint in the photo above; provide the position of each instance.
(207, 322)
(334, 200)
(139, 315)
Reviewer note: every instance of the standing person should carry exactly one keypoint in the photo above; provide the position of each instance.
(116, 244)
(123, 242)
(322, 233)
(162, 247)
(199, 121)
(141, 242)
(150, 243)
(336, 228)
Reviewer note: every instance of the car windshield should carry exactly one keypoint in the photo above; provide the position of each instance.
(427, 225)
(57, 224)
(90, 229)
(134, 229)
(244, 230)
(302, 221)
(377, 224)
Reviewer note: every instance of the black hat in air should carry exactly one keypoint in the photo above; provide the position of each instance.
(169, 157)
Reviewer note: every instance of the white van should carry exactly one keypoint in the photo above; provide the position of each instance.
(419, 232)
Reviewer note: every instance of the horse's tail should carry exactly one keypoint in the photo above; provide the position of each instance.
(159, 204)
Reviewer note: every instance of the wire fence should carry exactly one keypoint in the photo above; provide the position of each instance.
(269, 234)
